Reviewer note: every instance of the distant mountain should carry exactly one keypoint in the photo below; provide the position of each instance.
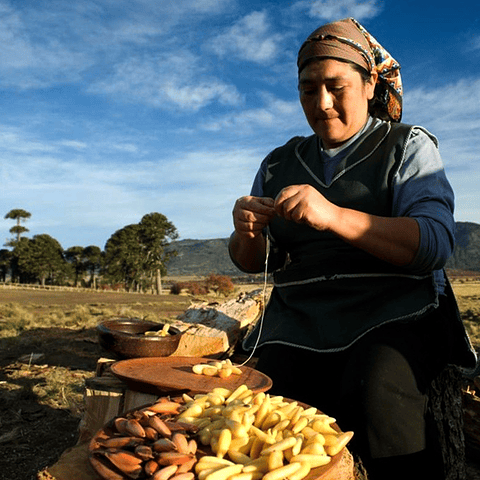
(202, 257)
(467, 247)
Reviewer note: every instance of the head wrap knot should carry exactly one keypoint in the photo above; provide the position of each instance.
(347, 40)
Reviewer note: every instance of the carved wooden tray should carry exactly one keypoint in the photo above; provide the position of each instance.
(174, 374)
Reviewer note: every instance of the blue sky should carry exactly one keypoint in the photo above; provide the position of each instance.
(112, 109)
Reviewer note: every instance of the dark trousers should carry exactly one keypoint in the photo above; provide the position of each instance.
(377, 388)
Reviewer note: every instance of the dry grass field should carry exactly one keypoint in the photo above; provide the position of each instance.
(48, 347)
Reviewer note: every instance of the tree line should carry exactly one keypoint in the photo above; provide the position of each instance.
(135, 256)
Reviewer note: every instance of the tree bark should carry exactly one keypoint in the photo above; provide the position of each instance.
(158, 280)
(445, 415)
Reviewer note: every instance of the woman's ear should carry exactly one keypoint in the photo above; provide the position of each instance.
(370, 84)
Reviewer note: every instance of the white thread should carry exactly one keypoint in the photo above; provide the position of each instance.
(264, 295)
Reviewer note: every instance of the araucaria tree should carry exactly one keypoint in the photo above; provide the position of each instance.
(136, 254)
(19, 215)
(156, 232)
(39, 259)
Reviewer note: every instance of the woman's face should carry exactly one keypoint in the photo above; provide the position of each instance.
(335, 99)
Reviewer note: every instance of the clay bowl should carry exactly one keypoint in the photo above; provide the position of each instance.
(125, 337)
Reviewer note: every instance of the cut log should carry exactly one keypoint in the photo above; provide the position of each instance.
(103, 398)
(212, 329)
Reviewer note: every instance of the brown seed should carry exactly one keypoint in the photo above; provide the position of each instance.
(134, 428)
(182, 426)
(165, 407)
(165, 473)
(126, 462)
(121, 442)
(104, 470)
(173, 458)
(121, 425)
(144, 452)
(184, 476)
(150, 433)
(164, 445)
(151, 467)
(181, 442)
(192, 446)
(186, 467)
(159, 425)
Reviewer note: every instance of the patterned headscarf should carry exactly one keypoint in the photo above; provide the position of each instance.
(348, 40)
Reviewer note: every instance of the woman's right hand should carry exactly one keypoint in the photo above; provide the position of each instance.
(251, 215)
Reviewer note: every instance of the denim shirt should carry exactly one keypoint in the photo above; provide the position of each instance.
(420, 191)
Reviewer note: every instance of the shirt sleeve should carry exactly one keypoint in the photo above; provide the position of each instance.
(421, 191)
(257, 186)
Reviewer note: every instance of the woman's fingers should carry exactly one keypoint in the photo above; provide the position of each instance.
(304, 204)
(252, 214)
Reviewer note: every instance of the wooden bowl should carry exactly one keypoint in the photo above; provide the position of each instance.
(341, 467)
(125, 337)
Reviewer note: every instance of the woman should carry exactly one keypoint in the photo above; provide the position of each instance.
(360, 220)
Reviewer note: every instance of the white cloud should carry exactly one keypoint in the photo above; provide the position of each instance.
(450, 111)
(28, 63)
(249, 39)
(167, 81)
(75, 144)
(56, 43)
(276, 114)
(331, 10)
(95, 200)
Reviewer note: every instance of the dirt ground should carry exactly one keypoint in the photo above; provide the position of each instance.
(42, 375)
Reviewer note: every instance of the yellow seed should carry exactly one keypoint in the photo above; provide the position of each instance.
(224, 473)
(275, 460)
(301, 473)
(210, 371)
(236, 393)
(237, 457)
(258, 465)
(225, 372)
(272, 419)
(240, 443)
(296, 449)
(308, 432)
(224, 441)
(318, 438)
(224, 392)
(198, 369)
(238, 429)
(194, 411)
(343, 439)
(262, 412)
(281, 445)
(300, 425)
(259, 398)
(264, 436)
(323, 426)
(288, 409)
(215, 399)
(314, 448)
(308, 412)
(247, 476)
(281, 426)
(202, 474)
(256, 448)
(282, 473)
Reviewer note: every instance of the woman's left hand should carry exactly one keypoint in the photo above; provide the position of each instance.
(305, 204)
(393, 239)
